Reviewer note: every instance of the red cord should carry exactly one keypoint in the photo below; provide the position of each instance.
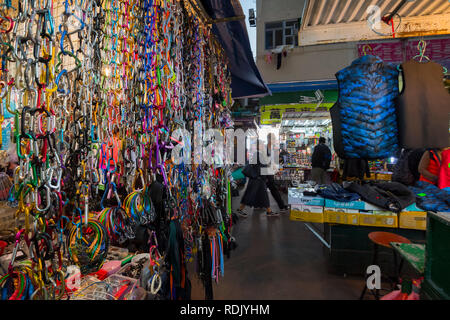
(393, 29)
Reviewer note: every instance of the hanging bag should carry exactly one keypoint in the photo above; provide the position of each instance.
(402, 172)
(250, 171)
(368, 90)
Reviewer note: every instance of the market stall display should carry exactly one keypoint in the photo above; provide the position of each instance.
(299, 133)
(378, 204)
(365, 128)
(341, 221)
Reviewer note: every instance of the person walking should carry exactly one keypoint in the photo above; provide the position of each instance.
(320, 161)
(255, 194)
(270, 182)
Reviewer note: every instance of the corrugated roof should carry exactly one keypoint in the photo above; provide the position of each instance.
(325, 12)
(333, 21)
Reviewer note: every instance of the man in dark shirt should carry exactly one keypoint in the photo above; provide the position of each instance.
(321, 159)
(283, 155)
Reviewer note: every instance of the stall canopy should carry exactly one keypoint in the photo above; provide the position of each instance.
(229, 26)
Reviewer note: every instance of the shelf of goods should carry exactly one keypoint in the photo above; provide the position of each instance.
(98, 91)
(320, 210)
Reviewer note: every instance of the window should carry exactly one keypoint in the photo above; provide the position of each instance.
(281, 33)
(275, 114)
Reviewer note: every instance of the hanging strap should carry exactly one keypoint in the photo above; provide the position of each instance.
(435, 156)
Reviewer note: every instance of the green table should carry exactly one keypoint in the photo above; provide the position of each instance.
(414, 254)
(436, 285)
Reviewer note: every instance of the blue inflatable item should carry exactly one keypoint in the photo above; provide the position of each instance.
(368, 90)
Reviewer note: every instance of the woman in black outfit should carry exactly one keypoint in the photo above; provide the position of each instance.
(255, 194)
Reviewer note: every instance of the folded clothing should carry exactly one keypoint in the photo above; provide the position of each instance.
(336, 192)
(310, 193)
(392, 196)
(430, 198)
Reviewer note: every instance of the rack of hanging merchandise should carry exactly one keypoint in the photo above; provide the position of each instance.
(97, 89)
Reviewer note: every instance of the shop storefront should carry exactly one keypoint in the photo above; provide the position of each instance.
(381, 199)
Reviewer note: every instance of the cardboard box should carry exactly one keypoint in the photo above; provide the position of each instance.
(296, 197)
(375, 218)
(356, 205)
(307, 213)
(413, 220)
(384, 176)
(306, 208)
(340, 217)
(373, 176)
(412, 217)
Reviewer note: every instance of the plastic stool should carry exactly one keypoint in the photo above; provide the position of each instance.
(384, 239)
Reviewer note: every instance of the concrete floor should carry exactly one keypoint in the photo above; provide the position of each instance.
(277, 259)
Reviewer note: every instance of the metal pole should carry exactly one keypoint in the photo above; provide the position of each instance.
(318, 235)
(387, 19)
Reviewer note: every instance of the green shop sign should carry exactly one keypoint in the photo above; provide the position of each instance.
(274, 113)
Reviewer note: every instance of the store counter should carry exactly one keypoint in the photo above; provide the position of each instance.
(319, 210)
(343, 228)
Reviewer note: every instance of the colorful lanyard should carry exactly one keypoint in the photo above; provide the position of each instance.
(96, 88)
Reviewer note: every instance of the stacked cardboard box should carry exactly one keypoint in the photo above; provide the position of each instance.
(305, 208)
(320, 210)
(413, 217)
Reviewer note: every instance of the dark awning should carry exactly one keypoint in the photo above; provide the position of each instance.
(246, 81)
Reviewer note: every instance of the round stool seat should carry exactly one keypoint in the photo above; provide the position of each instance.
(385, 238)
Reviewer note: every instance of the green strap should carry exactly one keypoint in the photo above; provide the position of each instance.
(229, 197)
(126, 260)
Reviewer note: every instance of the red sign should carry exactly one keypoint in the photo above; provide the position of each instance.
(388, 51)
